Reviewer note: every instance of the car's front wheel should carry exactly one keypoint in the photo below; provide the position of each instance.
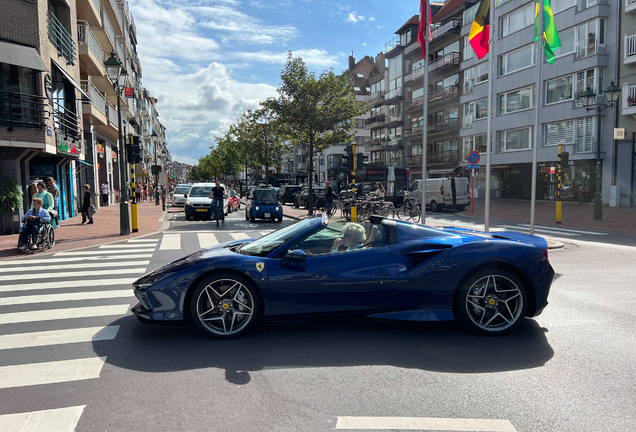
(225, 306)
(491, 301)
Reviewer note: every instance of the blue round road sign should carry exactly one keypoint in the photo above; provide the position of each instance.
(473, 158)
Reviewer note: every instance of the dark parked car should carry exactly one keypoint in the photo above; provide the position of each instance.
(287, 193)
(362, 189)
(302, 198)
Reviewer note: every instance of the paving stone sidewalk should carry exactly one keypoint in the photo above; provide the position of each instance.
(73, 234)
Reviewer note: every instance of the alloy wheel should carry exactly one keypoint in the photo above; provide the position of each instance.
(494, 303)
(225, 307)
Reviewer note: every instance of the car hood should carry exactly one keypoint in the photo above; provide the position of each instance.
(199, 200)
(468, 235)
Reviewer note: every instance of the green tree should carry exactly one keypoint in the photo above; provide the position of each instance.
(317, 111)
(268, 147)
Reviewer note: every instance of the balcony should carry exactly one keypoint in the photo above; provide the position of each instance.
(446, 92)
(397, 42)
(629, 100)
(375, 98)
(391, 143)
(393, 95)
(66, 122)
(62, 40)
(630, 49)
(376, 142)
(106, 33)
(630, 6)
(393, 120)
(586, 49)
(375, 122)
(451, 27)
(414, 104)
(469, 14)
(95, 110)
(90, 51)
(447, 61)
(413, 133)
(113, 119)
(22, 110)
(444, 156)
(417, 73)
(443, 126)
(414, 161)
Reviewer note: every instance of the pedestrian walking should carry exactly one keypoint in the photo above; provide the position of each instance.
(163, 191)
(48, 202)
(105, 193)
(138, 191)
(145, 192)
(151, 191)
(51, 187)
(329, 197)
(87, 205)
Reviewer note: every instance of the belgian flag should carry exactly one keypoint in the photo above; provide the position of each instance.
(480, 31)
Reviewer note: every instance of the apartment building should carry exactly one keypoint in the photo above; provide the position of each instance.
(588, 30)
(625, 150)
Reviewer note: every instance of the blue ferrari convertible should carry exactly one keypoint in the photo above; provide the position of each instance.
(382, 268)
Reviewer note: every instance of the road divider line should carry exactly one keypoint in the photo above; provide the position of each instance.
(57, 337)
(120, 252)
(70, 274)
(50, 298)
(43, 266)
(207, 240)
(171, 242)
(425, 423)
(565, 229)
(58, 420)
(58, 314)
(50, 372)
(67, 284)
(42, 262)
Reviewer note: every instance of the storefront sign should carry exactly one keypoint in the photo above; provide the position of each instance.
(48, 86)
(66, 147)
(128, 91)
(43, 170)
(114, 156)
(49, 131)
(163, 179)
(100, 150)
(619, 133)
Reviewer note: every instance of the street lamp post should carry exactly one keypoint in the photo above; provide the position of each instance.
(154, 143)
(117, 75)
(588, 99)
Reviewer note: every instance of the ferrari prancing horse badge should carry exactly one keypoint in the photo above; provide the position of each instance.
(260, 266)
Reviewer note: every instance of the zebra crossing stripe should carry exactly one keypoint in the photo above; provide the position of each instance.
(50, 298)
(127, 246)
(105, 252)
(560, 230)
(50, 372)
(53, 420)
(425, 423)
(240, 236)
(43, 266)
(207, 240)
(538, 230)
(69, 274)
(143, 240)
(58, 314)
(170, 242)
(66, 284)
(41, 262)
(57, 337)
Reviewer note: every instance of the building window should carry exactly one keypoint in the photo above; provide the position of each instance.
(559, 133)
(516, 100)
(482, 72)
(477, 143)
(468, 49)
(584, 135)
(501, 2)
(567, 43)
(481, 109)
(517, 20)
(515, 139)
(469, 115)
(516, 60)
(590, 34)
(559, 90)
(584, 80)
(561, 5)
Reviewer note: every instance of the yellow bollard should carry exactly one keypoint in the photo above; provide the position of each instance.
(133, 212)
(559, 207)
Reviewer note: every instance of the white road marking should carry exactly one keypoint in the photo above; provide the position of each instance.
(207, 240)
(53, 420)
(143, 240)
(128, 246)
(241, 236)
(171, 242)
(57, 337)
(57, 314)
(425, 423)
(69, 274)
(50, 372)
(538, 230)
(42, 266)
(66, 284)
(40, 262)
(121, 252)
(558, 229)
(50, 298)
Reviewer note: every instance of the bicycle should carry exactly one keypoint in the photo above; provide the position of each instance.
(409, 211)
(218, 212)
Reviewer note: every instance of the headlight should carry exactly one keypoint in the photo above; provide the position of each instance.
(188, 202)
(276, 208)
(151, 280)
(256, 208)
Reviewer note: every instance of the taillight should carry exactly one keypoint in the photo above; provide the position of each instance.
(545, 254)
(442, 190)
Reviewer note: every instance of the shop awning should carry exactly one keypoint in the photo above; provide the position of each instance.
(71, 80)
(22, 56)
(85, 163)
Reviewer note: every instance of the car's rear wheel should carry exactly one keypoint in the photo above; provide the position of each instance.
(492, 301)
(434, 206)
(296, 203)
(461, 208)
(225, 306)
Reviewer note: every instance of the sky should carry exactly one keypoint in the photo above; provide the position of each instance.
(208, 61)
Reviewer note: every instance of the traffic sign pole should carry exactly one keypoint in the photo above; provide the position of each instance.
(472, 192)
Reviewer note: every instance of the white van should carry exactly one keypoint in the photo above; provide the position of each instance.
(198, 202)
(443, 192)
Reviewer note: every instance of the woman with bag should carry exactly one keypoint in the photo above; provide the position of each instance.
(87, 205)
(48, 202)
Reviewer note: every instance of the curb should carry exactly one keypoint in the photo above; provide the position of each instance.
(554, 244)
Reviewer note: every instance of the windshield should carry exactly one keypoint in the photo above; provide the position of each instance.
(182, 190)
(265, 195)
(264, 245)
(200, 191)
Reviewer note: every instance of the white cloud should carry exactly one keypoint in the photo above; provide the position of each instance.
(364, 44)
(351, 18)
(371, 18)
(313, 57)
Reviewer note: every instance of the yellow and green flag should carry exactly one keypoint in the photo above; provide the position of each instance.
(550, 35)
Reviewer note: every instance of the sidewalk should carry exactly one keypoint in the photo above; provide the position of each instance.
(72, 234)
(575, 215)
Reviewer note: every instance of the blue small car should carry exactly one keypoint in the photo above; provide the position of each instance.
(263, 203)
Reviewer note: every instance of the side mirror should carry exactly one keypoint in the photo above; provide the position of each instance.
(295, 256)
(185, 196)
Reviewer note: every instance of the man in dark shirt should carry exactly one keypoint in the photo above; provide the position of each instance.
(218, 195)
(329, 197)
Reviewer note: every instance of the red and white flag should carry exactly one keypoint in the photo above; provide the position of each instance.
(424, 29)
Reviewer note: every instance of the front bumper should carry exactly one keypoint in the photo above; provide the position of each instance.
(273, 213)
(193, 211)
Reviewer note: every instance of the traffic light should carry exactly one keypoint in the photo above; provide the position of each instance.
(361, 160)
(347, 161)
(133, 150)
(564, 159)
(156, 169)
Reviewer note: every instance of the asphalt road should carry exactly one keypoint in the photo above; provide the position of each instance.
(570, 369)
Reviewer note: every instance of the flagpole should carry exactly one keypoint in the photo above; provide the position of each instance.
(537, 104)
(424, 129)
(490, 114)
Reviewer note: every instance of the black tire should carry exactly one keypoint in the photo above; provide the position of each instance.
(252, 218)
(434, 206)
(246, 216)
(460, 208)
(296, 203)
(279, 220)
(188, 217)
(245, 295)
(306, 205)
(51, 239)
(501, 306)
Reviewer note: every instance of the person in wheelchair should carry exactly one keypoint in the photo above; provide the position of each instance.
(353, 238)
(34, 221)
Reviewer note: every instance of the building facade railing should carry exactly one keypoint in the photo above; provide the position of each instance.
(414, 103)
(450, 59)
(395, 93)
(66, 121)
(112, 114)
(85, 36)
(469, 14)
(444, 125)
(108, 27)
(97, 99)
(22, 110)
(62, 39)
(395, 42)
(442, 30)
(413, 132)
(450, 91)
(443, 156)
(376, 97)
(413, 161)
(630, 45)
